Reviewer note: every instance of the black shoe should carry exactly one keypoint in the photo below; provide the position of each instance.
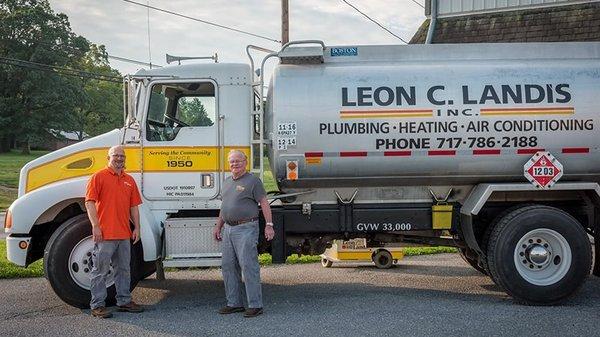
(253, 312)
(230, 310)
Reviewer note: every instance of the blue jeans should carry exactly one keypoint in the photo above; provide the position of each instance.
(119, 252)
(240, 259)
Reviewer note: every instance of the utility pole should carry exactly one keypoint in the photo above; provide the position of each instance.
(285, 22)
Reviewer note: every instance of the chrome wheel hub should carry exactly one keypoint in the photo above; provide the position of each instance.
(542, 256)
(536, 253)
(80, 264)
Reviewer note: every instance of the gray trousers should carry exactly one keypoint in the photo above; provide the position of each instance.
(119, 252)
(240, 258)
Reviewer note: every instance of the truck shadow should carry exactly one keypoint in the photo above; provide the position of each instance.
(462, 271)
(187, 300)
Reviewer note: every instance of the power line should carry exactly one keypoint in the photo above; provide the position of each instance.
(368, 17)
(81, 53)
(203, 21)
(418, 3)
(60, 70)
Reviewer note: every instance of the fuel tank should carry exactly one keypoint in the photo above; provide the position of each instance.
(434, 114)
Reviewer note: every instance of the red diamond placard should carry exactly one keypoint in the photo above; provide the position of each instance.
(543, 170)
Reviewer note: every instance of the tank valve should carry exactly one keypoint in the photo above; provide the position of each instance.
(306, 208)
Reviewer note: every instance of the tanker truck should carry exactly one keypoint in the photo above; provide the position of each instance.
(490, 148)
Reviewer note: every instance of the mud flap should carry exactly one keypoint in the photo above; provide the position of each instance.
(466, 228)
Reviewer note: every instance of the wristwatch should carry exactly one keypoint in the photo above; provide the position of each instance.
(270, 224)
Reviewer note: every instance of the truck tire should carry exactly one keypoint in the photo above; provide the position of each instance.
(488, 233)
(66, 263)
(539, 255)
(470, 257)
(383, 259)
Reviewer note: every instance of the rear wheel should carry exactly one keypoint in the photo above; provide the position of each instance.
(383, 259)
(539, 254)
(67, 263)
(488, 233)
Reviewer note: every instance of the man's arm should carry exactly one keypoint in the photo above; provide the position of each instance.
(266, 209)
(135, 217)
(218, 227)
(90, 206)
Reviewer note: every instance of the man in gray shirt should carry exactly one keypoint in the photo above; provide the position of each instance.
(237, 227)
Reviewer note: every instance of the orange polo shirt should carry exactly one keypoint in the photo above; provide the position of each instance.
(114, 195)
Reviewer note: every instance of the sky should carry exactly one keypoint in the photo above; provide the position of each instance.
(123, 27)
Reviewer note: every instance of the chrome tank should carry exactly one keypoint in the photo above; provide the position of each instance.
(434, 114)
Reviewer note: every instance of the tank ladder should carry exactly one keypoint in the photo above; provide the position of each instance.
(257, 123)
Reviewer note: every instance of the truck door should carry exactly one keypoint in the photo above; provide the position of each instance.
(181, 147)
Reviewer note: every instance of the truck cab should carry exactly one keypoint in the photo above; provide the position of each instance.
(180, 124)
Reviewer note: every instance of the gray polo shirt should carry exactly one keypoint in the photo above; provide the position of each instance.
(241, 197)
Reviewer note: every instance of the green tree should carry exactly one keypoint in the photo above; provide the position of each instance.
(101, 106)
(34, 98)
(193, 112)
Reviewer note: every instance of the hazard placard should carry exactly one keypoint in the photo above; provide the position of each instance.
(543, 170)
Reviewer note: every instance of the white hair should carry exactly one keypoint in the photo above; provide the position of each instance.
(115, 148)
(237, 152)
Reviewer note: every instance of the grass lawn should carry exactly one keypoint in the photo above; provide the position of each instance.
(11, 163)
(269, 181)
(10, 166)
(7, 196)
(9, 270)
(265, 259)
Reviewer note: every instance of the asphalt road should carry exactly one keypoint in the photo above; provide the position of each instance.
(423, 296)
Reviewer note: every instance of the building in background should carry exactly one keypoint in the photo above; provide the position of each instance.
(471, 21)
(56, 139)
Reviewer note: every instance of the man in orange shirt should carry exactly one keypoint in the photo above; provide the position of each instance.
(111, 200)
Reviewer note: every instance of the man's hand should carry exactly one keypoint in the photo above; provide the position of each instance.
(135, 235)
(134, 213)
(90, 206)
(96, 234)
(217, 233)
(269, 233)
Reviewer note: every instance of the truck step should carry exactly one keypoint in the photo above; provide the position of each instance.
(192, 262)
(191, 238)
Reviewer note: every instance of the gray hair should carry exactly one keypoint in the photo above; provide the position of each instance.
(114, 148)
(237, 152)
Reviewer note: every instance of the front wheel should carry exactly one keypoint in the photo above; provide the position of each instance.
(539, 254)
(67, 263)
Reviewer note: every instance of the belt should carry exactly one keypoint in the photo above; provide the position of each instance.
(239, 222)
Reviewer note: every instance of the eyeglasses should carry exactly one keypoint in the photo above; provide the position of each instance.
(236, 161)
